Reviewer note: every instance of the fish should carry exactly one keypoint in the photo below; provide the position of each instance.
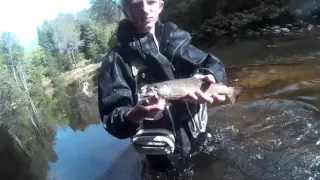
(178, 88)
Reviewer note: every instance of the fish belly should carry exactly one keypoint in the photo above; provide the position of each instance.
(178, 92)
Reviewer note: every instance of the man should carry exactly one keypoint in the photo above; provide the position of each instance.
(150, 51)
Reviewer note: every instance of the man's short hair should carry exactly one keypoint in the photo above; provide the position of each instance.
(123, 4)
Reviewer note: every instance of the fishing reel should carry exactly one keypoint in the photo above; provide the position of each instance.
(158, 140)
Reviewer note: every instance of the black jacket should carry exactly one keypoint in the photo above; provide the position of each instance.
(177, 58)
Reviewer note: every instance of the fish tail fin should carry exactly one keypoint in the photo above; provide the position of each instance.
(235, 94)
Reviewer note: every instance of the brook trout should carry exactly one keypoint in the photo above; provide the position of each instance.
(177, 88)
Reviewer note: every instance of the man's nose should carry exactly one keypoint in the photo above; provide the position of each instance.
(144, 7)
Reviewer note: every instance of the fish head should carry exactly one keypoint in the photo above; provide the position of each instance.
(162, 91)
(147, 91)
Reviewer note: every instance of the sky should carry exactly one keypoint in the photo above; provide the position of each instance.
(22, 17)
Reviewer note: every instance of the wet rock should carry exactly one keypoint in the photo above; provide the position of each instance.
(256, 33)
(265, 33)
(277, 32)
(289, 26)
(250, 33)
(272, 46)
(285, 30)
(275, 27)
(298, 23)
(310, 27)
(305, 25)
(300, 31)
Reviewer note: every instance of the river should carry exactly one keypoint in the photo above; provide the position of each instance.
(272, 132)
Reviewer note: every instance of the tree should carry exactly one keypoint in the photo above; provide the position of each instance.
(67, 36)
(105, 11)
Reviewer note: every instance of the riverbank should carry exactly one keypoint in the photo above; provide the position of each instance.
(274, 36)
(209, 21)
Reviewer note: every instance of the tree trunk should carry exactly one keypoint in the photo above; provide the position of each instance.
(35, 111)
(32, 120)
(74, 60)
(70, 59)
(12, 65)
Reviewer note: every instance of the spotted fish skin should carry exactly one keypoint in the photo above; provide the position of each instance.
(178, 88)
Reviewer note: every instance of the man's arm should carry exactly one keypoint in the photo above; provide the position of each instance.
(201, 62)
(115, 96)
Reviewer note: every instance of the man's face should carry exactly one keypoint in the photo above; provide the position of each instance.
(144, 13)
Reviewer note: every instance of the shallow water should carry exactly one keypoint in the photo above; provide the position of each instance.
(272, 133)
(268, 139)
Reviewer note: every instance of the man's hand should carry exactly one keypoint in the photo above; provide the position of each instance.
(147, 108)
(199, 96)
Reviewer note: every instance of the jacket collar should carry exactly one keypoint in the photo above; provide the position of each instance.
(128, 36)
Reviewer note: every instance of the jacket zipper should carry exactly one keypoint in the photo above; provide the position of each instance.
(163, 60)
(180, 44)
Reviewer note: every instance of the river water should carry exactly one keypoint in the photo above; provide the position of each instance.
(272, 132)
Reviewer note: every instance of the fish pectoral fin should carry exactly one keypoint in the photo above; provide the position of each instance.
(154, 91)
(235, 94)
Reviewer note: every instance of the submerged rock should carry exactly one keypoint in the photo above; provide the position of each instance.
(275, 27)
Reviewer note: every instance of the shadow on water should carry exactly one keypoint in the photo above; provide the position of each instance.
(15, 162)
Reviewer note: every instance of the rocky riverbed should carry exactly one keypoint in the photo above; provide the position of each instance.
(296, 28)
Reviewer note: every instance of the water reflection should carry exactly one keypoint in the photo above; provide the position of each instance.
(84, 155)
(83, 111)
(84, 148)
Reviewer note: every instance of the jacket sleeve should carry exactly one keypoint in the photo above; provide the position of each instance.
(115, 96)
(201, 62)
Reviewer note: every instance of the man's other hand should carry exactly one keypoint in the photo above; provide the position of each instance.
(199, 96)
(147, 108)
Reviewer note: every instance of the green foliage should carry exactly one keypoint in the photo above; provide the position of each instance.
(33, 100)
(11, 51)
(207, 20)
(88, 34)
(105, 12)
(97, 38)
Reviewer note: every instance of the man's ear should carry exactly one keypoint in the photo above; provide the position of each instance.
(161, 5)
